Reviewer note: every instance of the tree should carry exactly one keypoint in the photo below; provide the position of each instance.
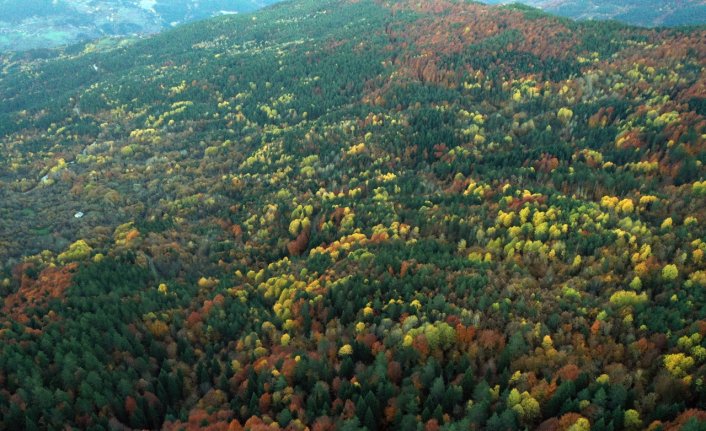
(670, 272)
(678, 364)
(79, 250)
(631, 419)
(582, 424)
(345, 350)
(565, 115)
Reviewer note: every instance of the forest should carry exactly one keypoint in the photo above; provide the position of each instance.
(357, 215)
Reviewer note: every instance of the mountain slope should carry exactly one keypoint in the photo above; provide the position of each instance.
(348, 214)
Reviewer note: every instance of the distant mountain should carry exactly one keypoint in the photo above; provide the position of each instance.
(29, 24)
(647, 13)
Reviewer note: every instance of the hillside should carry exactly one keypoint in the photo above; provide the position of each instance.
(646, 13)
(357, 214)
(34, 24)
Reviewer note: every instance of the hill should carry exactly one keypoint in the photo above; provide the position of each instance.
(34, 24)
(352, 214)
(646, 13)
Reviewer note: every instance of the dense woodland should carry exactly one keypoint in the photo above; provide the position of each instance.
(357, 215)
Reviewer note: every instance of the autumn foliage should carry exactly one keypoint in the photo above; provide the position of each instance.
(353, 215)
